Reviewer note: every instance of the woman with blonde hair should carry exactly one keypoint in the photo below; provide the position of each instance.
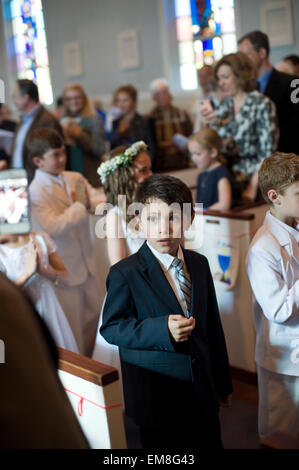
(83, 131)
(246, 121)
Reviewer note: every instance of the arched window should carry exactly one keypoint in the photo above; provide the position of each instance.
(205, 31)
(27, 44)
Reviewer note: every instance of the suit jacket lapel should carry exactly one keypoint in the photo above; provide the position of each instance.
(154, 275)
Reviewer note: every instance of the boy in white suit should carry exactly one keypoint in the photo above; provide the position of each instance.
(60, 201)
(273, 270)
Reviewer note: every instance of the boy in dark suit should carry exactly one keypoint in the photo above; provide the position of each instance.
(161, 311)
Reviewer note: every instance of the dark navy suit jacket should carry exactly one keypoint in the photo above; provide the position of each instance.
(156, 371)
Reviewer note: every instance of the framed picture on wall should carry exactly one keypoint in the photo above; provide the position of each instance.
(73, 63)
(276, 22)
(129, 51)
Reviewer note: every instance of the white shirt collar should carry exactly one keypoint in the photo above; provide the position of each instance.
(165, 258)
(40, 174)
(280, 229)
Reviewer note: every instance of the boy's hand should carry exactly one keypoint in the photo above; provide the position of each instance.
(180, 327)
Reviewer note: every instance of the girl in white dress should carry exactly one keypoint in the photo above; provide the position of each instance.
(121, 175)
(31, 262)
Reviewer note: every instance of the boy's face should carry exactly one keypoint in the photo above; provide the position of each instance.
(289, 202)
(53, 161)
(164, 225)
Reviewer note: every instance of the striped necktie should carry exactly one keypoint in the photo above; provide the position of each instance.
(185, 284)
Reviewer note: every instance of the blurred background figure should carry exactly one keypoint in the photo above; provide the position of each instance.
(293, 62)
(276, 85)
(130, 126)
(60, 109)
(165, 122)
(246, 121)
(98, 106)
(7, 129)
(206, 90)
(33, 116)
(84, 133)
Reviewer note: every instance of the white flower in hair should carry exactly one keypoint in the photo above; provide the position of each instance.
(124, 159)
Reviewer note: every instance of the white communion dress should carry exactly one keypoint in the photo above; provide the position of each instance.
(40, 290)
(103, 351)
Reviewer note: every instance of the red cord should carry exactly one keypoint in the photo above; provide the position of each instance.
(80, 403)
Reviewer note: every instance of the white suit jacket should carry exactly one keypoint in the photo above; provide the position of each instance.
(53, 211)
(273, 270)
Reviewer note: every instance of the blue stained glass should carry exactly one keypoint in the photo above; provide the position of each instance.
(182, 8)
(194, 13)
(218, 28)
(207, 45)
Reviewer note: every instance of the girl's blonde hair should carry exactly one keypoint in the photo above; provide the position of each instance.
(209, 139)
(121, 181)
(87, 109)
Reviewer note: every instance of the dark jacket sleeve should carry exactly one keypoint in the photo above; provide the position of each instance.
(121, 324)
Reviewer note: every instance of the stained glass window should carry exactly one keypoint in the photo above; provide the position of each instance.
(30, 44)
(206, 31)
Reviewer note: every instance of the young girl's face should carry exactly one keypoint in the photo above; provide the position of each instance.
(142, 167)
(202, 157)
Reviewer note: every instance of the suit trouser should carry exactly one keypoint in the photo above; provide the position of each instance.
(278, 403)
(82, 307)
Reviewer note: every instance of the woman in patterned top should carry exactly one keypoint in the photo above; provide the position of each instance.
(246, 121)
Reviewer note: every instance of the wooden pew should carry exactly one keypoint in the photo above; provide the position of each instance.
(94, 393)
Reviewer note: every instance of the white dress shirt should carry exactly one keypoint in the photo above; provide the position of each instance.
(165, 260)
(273, 270)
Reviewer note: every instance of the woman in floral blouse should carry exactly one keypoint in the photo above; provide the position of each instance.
(246, 120)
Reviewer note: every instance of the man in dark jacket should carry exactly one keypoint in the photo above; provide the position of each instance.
(278, 86)
(34, 116)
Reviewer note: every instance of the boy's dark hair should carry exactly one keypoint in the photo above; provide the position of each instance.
(278, 172)
(167, 188)
(258, 40)
(41, 141)
(28, 87)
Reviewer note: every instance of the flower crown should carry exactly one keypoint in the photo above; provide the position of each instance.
(124, 159)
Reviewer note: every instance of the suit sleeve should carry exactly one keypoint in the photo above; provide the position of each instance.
(218, 352)
(121, 325)
(56, 223)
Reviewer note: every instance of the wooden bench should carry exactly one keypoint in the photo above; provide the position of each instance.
(93, 390)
